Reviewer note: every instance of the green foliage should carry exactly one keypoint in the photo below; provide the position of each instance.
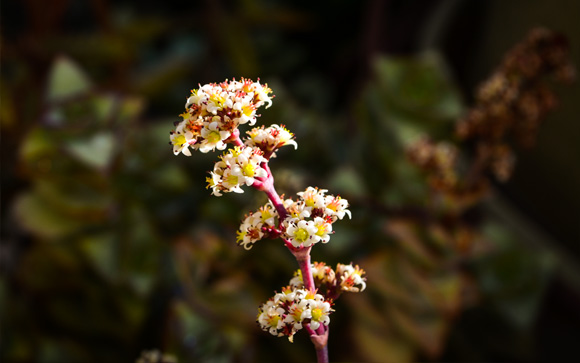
(120, 248)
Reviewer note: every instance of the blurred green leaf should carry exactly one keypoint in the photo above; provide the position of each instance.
(80, 197)
(40, 218)
(105, 107)
(129, 109)
(374, 337)
(171, 176)
(66, 80)
(102, 251)
(347, 180)
(514, 279)
(95, 151)
(415, 95)
(425, 331)
(141, 249)
(38, 143)
(109, 188)
(419, 86)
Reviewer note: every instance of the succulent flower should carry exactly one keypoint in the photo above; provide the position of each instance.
(288, 311)
(214, 111)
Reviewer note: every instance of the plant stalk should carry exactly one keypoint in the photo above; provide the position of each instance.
(302, 255)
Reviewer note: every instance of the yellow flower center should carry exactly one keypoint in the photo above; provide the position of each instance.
(266, 215)
(334, 204)
(248, 170)
(179, 140)
(213, 137)
(236, 151)
(232, 179)
(296, 314)
(301, 235)
(273, 321)
(316, 314)
(247, 110)
(218, 100)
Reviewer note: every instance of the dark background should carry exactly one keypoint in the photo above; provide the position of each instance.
(68, 298)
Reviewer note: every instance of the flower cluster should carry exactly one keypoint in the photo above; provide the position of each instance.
(271, 138)
(311, 217)
(350, 278)
(213, 113)
(344, 278)
(237, 167)
(290, 310)
(309, 220)
(256, 225)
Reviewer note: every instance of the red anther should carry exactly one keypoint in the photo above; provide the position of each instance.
(254, 233)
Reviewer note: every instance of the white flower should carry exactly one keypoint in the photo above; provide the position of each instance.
(336, 207)
(288, 311)
(213, 182)
(318, 312)
(250, 231)
(181, 139)
(246, 109)
(232, 179)
(249, 163)
(323, 229)
(251, 228)
(218, 109)
(322, 273)
(262, 94)
(213, 137)
(297, 281)
(216, 102)
(294, 316)
(301, 233)
(198, 97)
(288, 295)
(282, 136)
(270, 318)
(268, 214)
(350, 278)
(271, 138)
(237, 167)
(313, 198)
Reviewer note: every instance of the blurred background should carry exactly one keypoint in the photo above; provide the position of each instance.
(111, 245)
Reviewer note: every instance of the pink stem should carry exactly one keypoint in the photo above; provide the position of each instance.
(322, 354)
(268, 188)
(309, 330)
(320, 342)
(235, 138)
(303, 257)
(320, 337)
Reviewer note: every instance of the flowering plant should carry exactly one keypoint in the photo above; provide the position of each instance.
(211, 121)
